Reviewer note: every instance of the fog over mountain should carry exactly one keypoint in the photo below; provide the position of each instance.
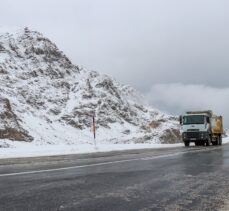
(141, 43)
(178, 98)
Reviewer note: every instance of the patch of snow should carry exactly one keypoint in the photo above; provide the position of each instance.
(20, 149)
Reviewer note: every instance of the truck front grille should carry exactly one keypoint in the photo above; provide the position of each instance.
(193, 130)
(193, 135)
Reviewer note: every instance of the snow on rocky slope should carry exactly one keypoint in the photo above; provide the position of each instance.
(45, 98)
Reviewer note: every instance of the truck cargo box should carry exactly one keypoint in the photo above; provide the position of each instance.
(217, 125)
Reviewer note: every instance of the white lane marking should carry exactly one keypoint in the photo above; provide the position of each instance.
(163, 156)
(66, 168)
(98, 164)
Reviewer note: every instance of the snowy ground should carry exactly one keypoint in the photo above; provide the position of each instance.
(21, 149)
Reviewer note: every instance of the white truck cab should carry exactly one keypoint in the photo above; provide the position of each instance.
(199, 127)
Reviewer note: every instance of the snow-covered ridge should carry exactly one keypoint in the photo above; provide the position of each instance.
(54, 100)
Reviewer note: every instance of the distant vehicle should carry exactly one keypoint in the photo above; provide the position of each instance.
(202, 128)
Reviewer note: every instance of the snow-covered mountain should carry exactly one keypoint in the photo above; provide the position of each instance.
(45, 98)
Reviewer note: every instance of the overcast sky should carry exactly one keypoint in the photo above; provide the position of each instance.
(174, 51)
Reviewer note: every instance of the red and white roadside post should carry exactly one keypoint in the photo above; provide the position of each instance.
(94, 129)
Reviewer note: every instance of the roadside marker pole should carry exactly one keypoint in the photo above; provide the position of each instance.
(94, 130)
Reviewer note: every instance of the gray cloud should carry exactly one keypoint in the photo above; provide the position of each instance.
(178, 98)
(140, 42)
(135, 40)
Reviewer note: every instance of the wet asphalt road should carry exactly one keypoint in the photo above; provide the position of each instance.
(195, 178)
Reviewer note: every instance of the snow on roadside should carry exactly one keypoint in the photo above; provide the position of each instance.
(226, 140)
(23, 149)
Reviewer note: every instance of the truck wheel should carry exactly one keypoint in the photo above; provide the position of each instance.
(220, 140)
(208, 142)
(186, 143)
(215, 142)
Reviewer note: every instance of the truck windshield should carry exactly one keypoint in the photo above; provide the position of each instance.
(193, 119)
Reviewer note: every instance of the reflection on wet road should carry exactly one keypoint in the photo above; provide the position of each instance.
(168, 179)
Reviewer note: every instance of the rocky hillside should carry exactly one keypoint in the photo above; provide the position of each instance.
(46, 99)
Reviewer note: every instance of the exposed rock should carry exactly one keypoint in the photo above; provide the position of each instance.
(154, 124)
(126, 132)
(170, 136)
(9, 126)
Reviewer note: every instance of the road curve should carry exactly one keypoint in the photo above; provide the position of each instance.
(195, 178)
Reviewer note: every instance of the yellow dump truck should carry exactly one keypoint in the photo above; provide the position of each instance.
(216, 129)
(202, 128)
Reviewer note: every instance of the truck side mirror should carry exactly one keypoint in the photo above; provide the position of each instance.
(208, 120)
(180, 118)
